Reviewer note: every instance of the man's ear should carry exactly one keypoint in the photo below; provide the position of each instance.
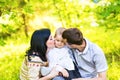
(65, 41)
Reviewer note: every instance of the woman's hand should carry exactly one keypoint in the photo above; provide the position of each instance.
(51, 75)
(58, 70)
(55, 72)
(62, 71)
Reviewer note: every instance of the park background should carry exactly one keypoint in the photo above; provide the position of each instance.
(99, 20)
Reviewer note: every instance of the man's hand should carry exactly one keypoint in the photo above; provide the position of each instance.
(101, 76)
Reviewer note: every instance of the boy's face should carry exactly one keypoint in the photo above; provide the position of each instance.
(59, 42)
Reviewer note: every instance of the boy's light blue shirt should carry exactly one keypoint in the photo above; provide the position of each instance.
(60, 56)
(91, 61)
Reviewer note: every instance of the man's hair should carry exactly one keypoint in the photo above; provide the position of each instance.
(73, 36)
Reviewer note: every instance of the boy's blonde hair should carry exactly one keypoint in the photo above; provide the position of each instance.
(59, 31)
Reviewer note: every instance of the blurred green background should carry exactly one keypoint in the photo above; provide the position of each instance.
(99, 20)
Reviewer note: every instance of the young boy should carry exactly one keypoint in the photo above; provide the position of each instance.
(60, 56)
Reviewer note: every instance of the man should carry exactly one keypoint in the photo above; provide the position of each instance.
(88, 57)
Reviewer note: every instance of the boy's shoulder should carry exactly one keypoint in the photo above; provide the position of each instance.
(59, 49)
(63, 48)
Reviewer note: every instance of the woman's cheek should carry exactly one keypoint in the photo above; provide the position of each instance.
(50, 44)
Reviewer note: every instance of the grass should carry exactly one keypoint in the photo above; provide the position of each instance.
(10, 61)
(11, 58)
(12, 54)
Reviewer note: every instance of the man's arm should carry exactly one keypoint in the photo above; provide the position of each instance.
(101, 76)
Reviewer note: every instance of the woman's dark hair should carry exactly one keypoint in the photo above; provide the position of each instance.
(73, 36)
(38, 43)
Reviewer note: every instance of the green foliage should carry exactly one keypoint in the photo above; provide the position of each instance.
(109, 14)
(69, 12)
(12, 20)
(2, 42)
(12, 54)
(10, 67)
(114, 71)
(10, 62)
(93, 17)
(11, 57)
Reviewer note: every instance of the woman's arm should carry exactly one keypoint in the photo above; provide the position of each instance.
(29, 70)
(51, 75)
(55, 72)
(46, 78)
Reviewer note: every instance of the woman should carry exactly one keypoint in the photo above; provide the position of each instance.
(35, 58)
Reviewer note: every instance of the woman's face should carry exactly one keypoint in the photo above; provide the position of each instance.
(50, 42)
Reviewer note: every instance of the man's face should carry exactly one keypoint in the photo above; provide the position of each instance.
(75, 46)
